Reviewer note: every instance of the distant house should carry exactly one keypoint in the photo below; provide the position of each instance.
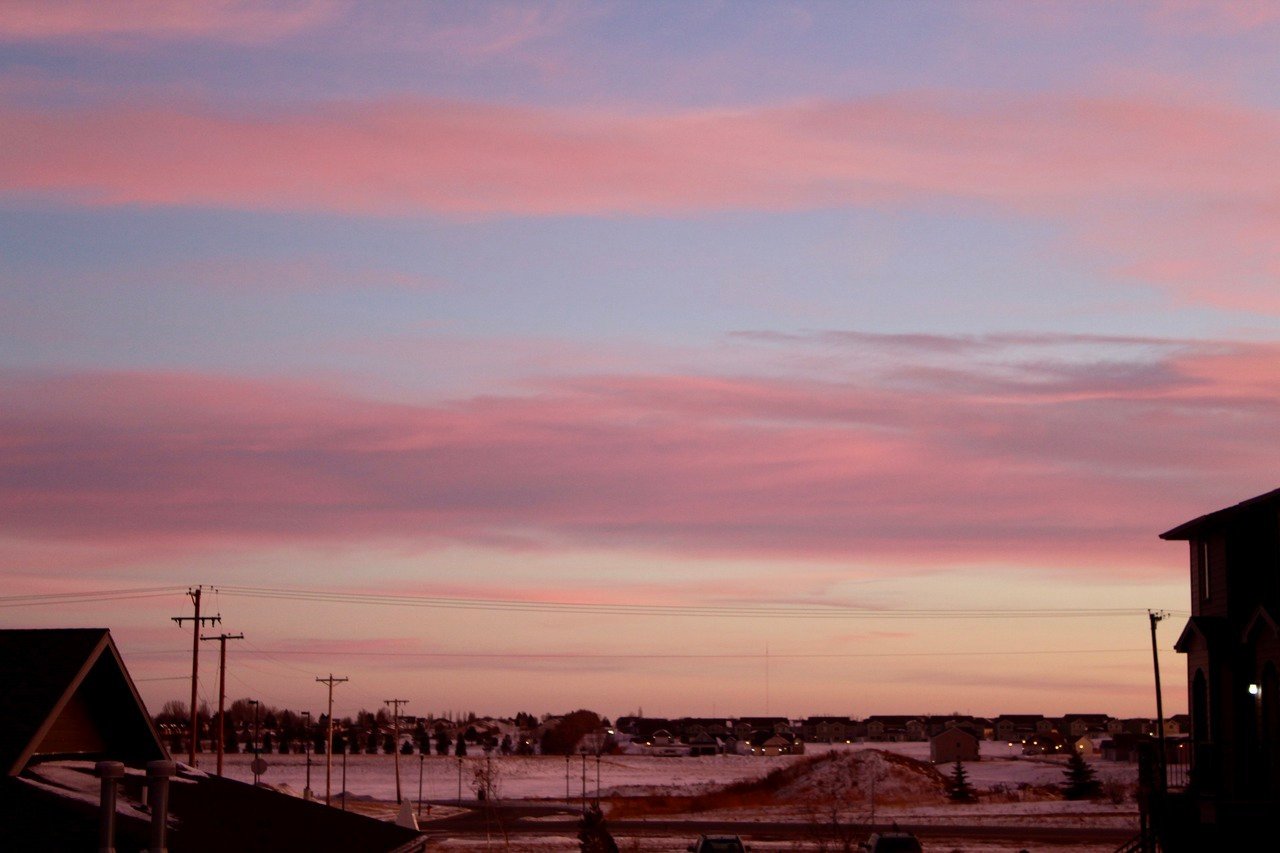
(702, 743)
(894, 728)
(1014, 728)
(953, 744)
(745, 726)
(827, 729)
(763, 743)
(1079, 725)
(1086, 746)
(1051, 743)
(1122, 746)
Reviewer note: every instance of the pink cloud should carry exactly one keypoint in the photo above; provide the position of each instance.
(182, 19)
(471, 159)
(1216, 17)
(1038, 461)
(1177, 193)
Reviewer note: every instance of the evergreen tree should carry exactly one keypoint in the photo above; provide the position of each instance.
(593, 834)
(443, 741)
(1081, 781)
(460, 748)
(958, 788)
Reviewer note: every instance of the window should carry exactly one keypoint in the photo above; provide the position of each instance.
(1203, 559)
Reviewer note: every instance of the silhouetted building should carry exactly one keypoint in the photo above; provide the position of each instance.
(1232, 644)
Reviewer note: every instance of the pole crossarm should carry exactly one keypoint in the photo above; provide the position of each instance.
(328, 749)
(395, 723)
(197, 622)
(222, 689)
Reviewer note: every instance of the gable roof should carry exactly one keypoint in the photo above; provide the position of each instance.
(1212, 629)
(1192, 528)
(65, 688)
(1261, 618)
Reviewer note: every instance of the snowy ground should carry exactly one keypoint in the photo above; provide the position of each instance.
(1022, 792)
(1017, 791)
(545, 777)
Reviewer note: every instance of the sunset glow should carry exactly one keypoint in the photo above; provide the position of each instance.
(876, 306)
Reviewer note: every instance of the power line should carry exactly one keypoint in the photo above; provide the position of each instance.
(753, 611)
(46, 599)
(657, 655)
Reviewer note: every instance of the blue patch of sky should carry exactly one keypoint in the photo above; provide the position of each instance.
(109, 288)
(660, 55)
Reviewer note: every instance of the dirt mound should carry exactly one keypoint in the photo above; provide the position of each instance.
(832, 779)
(848, 777)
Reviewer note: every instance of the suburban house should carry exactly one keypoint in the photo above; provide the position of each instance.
(745, 727)
(894, 728)
(1073, 726)
(1013, 728)
(956, 743)
(828, 729)
(1232, 648)
(764, 743)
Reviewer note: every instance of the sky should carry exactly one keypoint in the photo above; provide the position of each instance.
(815, 349)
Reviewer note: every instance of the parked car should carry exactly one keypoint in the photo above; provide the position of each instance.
(892, 842)
(718, 844)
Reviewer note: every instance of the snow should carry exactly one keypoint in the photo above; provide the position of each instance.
(905, 791)
(525, 777)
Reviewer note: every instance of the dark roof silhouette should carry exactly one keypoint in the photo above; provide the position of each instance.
(67, 692)
(1190, 529)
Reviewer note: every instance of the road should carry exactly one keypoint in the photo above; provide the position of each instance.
(513, 819)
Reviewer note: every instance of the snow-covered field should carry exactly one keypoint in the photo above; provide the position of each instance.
(549, 777)
(1017, 791)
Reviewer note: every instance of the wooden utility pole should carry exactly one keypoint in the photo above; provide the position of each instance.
(1155, 616)
(328, 747)
(222, 688)
(395, 723)
(197, 622)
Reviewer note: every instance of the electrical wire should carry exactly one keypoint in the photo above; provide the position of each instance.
(331, 653)
(705, 610)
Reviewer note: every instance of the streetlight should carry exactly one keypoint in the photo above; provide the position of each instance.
(257, 755)
(422, 760)
(306, 747)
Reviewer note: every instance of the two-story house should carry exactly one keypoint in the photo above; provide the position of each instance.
(1232, 648)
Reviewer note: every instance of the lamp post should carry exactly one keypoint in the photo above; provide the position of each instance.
(306, 746)
(599, 746)
(257, 755)
(422, 760)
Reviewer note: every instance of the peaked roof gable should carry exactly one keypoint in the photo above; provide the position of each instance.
(47, 672)
(1211, 629)
(1261, 618)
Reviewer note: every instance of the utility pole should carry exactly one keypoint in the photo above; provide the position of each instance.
(1155, 616)
(197, 622)
(328, 746)
(395, 727)
(222, 688)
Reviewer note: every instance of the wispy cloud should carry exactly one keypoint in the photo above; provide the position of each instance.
(1178, 194)
(226, 20)
(1071, 464)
